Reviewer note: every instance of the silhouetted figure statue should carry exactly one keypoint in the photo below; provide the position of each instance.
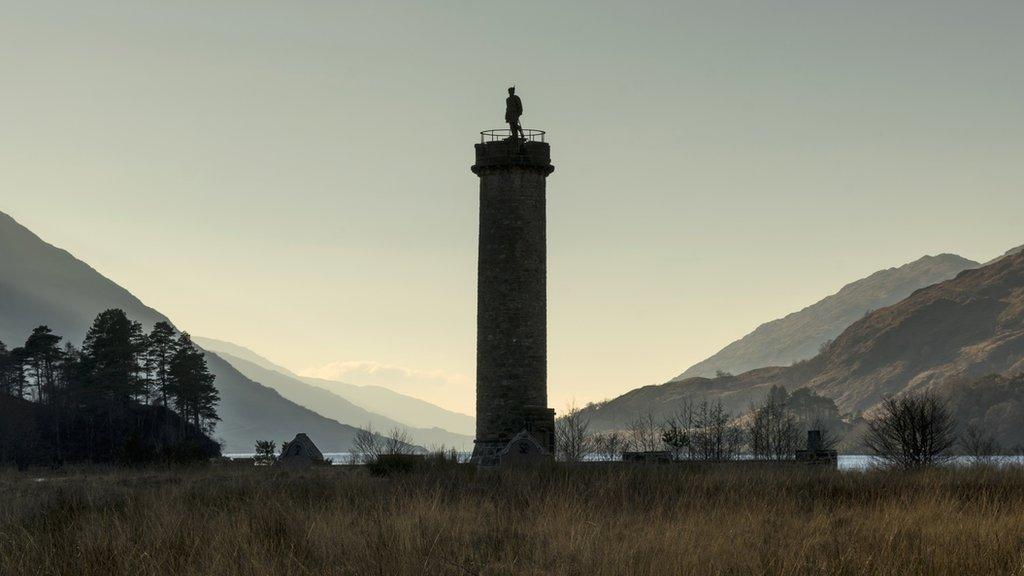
(513, 110)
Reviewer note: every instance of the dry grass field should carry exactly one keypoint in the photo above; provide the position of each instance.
(600, 521)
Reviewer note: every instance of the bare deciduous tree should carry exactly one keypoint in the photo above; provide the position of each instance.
(978, 445)
(712, 437)
(368, 446)
(676, 438)
(643, 434)
(772, 430)
(678, 432)
(911, 431)
(609, 446)
(397, 442)
(702, 432)
(573, 439)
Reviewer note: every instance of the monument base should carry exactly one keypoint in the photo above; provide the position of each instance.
(522, 450)
(536, 426)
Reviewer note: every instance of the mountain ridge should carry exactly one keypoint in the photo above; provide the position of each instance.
(959, 330)
(799, 335)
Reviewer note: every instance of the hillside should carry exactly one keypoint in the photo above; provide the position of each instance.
(1009, 252)
(966, 327)
(959, 330)
(334, 406)
(376, 399)
(42, 284)
(800, 335)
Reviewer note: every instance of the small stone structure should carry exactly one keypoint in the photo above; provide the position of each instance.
(300, 453)
(815, 453)
(648, 457)
(523, 450)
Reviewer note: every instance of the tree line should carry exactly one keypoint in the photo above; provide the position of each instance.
(771, 430)
(125, 392)
(908, 431)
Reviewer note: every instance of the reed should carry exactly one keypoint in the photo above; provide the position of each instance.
(593, 520)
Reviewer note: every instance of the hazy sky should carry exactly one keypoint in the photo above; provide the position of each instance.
(294, 176)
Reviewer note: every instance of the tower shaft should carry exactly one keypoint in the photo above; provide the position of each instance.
(511, 374)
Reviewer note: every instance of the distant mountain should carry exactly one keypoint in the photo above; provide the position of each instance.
(376, 399)
(230, 349)
(409, 411)
(947, 337)
(334, 406)
(251, 411)
(399, 407)
(41, 284)
(800, 335)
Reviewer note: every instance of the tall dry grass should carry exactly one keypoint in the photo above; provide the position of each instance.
(617, 520)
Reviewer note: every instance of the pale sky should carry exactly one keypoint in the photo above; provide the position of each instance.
(294, 176)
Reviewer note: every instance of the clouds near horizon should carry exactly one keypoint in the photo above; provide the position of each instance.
(448, 389)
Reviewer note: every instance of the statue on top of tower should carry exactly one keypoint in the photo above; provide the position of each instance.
(513, 110)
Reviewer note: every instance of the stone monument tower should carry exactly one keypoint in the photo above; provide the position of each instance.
(511, 337)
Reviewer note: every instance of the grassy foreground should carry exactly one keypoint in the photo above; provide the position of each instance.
(621, 520)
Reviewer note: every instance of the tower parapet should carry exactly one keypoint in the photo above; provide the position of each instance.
(511, 375)
(497, 150)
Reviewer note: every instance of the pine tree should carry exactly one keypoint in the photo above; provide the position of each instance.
(191, 385)
(5, 360)
(90, 400)
(110, 358)
(69, 371)
(42, 356)
(140, 340)
(15, 372)
(158, 358)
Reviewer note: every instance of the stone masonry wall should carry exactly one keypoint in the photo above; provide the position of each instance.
(511, 302)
